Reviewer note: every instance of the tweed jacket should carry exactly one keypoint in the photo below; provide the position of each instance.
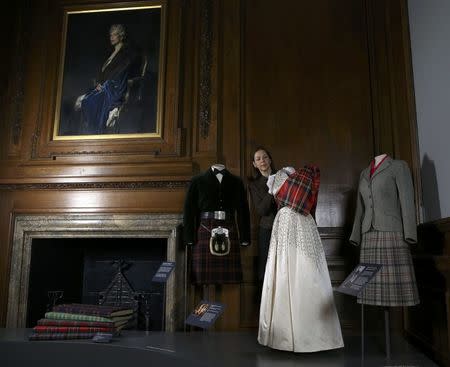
(207, 194)
(385, 201)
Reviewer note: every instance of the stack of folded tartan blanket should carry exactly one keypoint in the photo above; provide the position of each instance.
(80, 321)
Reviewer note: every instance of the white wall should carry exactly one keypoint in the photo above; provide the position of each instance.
(430, 45)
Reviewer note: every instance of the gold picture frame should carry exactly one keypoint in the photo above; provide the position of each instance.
(110, 91)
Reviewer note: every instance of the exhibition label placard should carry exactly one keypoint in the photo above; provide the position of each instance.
(205, 314)
(164, 271)
(358, 278)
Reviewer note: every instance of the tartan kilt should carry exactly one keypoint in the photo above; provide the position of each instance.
(395, 283)
(210, 269)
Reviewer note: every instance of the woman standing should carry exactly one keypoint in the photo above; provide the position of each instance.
(263, 203)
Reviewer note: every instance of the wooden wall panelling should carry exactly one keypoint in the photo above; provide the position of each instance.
(308, 97)
(232, 126)
(195, 23)
(28, 60)
(6, 202)
(379, 77)
(395, 130)
(394, 125)
(189, 75)
(15, 28)
(402, 91)
(205, 126)
(428, 324)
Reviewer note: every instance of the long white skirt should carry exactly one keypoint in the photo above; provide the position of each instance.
(297, 310)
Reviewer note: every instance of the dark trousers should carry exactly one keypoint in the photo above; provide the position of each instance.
(263, 250)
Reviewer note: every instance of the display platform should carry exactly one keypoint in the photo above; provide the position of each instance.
(202, 348)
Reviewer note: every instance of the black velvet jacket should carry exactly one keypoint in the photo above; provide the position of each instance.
(207, 194)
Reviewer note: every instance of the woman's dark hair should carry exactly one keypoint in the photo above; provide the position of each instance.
(256, 172)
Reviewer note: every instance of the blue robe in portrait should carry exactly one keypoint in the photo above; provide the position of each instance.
(97, 104)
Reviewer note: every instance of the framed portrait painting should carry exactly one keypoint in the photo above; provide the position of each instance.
(110, 83)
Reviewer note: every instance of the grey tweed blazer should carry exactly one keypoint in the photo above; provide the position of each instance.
(386, 201)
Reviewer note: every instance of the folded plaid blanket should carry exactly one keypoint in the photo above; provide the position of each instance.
(60, 336)
(71, 316)
(75, 323)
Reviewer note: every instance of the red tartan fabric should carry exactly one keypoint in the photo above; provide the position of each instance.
(64, 329)
(60, 336)
(211, 269)
(87, 309)
(300, 190)
(73, 323)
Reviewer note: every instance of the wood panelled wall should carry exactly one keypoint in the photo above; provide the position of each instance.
(428, 324)
(325, 81)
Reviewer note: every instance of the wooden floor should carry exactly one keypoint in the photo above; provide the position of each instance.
(195, 349)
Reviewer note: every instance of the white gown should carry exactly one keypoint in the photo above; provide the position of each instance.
(297, 307)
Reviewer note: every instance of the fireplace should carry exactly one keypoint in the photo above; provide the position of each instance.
(93, 239)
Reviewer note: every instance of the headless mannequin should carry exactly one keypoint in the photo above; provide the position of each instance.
(209, 290)
(219, 167)
(219, 176)
(379, 158)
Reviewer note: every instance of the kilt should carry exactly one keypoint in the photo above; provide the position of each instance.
(210, 269)
(395, 283)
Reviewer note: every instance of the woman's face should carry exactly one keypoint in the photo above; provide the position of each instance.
(262, 162)
(114, 37)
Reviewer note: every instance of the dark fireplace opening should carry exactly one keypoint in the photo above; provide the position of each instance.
(82, 268)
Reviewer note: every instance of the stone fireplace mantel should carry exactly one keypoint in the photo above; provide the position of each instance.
(156, 225)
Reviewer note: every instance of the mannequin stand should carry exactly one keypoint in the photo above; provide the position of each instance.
(387, 334)
(186, 274)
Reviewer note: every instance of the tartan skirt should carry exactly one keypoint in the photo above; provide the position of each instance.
(395, 284)
(211, 269)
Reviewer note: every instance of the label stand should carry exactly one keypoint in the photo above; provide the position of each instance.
(353, 285)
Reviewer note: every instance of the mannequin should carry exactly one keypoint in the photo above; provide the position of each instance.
(379, 158)
(218, 167)
(216, 211)
(384, 226)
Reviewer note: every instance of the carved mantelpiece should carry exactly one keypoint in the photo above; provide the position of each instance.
(29, 227)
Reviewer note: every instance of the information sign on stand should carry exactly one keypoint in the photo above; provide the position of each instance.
(353, 285)
(164, 271)
(205, 314)
(358, 279)
(162, 276)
